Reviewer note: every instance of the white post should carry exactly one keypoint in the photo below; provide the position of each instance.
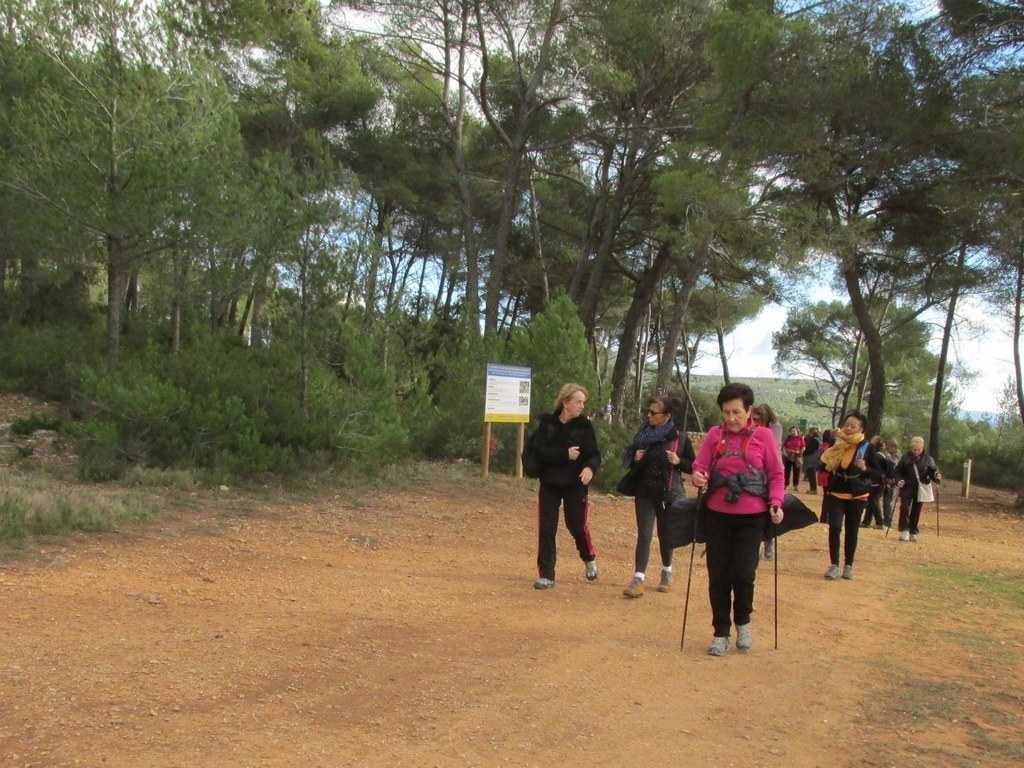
(965, 489)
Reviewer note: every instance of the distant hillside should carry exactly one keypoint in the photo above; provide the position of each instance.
(780, 394)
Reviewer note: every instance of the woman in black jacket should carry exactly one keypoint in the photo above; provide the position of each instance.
(853, 464)
(915, 473)
(566, 447)
(659, 454)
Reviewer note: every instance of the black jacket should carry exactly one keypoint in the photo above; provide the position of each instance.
(656, 474)
(552, 444)
(854, 481)
(905, 471)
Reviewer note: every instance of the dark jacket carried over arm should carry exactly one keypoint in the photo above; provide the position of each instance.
(552, 444)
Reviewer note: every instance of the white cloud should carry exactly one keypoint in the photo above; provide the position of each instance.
(989, 354)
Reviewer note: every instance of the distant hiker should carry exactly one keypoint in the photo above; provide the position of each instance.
(764, 416)
(892, 458)
(740, 466)
(853, 464)
(812, 444)
(566, 447)
(915, 473)
(792, 456)
(656, 459)
(873, 510)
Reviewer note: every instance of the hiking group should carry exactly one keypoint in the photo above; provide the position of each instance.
(741, 471)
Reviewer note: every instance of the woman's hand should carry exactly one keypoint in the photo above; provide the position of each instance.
(672, 456)
(574, 453)
(861, 465)
(700, 479)
(900, 484)
(586, 475)
(639, 454)
(777, 514)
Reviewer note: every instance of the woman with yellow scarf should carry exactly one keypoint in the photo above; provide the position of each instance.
(852, 464)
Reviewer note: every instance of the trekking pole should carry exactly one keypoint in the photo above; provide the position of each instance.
(776, 586)
(689, 575)
(936, 491)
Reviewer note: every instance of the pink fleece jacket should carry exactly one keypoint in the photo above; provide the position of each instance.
(763, 453)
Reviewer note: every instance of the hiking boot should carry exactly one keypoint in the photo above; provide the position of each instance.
(769, 550)
(718, 646)
(744, 637)
(913, 537)
(635, 588)
(904, 535)
(543, 583)
(847, 571)
(591, 570)
(879, 527)
(833, 572)
(666, 581)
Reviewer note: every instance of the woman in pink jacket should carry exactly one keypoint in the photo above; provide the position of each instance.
(740, 467)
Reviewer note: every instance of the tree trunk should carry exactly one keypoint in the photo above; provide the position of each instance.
(679, 310)
(638, 309)
(610, 221)
(873, 342)
(115, 292)
(1018, 299)
(934, 447)
(515, 145)
(594, 224)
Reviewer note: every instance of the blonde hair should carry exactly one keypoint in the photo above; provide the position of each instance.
(567, 391)
(916, 441)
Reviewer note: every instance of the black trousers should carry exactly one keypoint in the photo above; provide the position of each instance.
(576, 505)
(839, 512)
(791, 472)
(910, 513)
(733, 544)
(873, 511)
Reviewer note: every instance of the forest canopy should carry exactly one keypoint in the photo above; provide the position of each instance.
(258, 235)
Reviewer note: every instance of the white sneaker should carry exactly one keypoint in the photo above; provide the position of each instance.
(744, 637)
(904, 535)
(718, 646)
(913, 537)
(591, 568)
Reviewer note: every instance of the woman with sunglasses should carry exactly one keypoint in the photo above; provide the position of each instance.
(660, 454)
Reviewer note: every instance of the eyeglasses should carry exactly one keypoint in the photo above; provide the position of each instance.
(654, 413)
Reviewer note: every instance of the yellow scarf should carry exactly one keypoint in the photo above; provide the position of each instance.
(832, 457)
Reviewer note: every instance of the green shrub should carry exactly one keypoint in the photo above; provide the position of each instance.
(47, 360)
(37, 421)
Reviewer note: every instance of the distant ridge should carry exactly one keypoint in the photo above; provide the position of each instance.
(781, 394)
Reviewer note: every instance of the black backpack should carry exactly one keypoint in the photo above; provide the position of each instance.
(531, 464)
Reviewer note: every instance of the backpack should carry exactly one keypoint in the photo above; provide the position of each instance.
(531, 464)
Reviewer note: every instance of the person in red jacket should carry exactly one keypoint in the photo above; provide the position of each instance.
(740, 467)
(792, 456)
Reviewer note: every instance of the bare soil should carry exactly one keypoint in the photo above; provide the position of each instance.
(399, 628)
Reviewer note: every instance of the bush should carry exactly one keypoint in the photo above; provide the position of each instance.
(48, 360)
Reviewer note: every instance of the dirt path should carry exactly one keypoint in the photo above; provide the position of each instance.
(402, 631)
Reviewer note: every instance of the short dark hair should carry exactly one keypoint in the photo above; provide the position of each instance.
(670, 405)
(736, 391)
(860, 417)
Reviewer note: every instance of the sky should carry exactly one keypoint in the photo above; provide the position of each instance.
(750, 353)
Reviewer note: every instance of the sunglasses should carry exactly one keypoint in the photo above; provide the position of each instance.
(654, 413)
